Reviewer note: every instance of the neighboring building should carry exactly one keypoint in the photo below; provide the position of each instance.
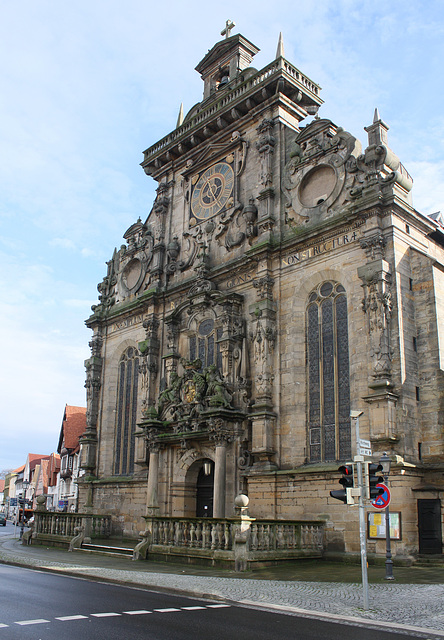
(281, 280)
(10, 488)
(53, 482)
(31, 473)
(2, 495)
(73, 426)
(42, 479)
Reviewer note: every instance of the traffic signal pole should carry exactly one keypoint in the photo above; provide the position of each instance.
(362, 527)
(359, 460)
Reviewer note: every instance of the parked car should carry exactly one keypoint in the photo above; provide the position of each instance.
(2, 520)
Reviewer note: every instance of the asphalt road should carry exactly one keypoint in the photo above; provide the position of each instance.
(44, 606)
(8, 529)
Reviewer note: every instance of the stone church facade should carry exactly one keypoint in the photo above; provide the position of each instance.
(281, 280)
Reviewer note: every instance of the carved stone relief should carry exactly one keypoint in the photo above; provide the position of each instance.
(148, 366)
(377, 305)
(263, 337)
(316, 182)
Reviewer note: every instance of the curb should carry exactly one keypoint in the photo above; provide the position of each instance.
(355, 621)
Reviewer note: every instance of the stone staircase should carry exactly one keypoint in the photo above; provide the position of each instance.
(425, 560)
(109, 547)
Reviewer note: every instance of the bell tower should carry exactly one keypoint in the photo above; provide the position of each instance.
(225, 61)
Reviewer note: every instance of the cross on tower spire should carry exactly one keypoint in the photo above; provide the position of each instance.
(228, 27)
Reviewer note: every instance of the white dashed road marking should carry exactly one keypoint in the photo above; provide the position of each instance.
(111, 614)
(41, 621)
(137, 613)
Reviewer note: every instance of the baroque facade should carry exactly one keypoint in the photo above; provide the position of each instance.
(281, 280)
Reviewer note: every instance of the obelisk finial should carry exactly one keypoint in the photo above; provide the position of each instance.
(280, 48)
(180, 116)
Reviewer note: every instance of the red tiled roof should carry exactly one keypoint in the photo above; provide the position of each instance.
(19, 469)
(35, 459)
(36, 456)
(73, 426)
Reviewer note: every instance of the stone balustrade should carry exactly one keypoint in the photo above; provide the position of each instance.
(226, 540)
(239, 88)
(59, 528)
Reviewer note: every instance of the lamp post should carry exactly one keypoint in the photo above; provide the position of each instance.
(25, 485)
(385, 463)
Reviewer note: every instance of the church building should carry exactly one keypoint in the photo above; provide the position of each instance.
(282, 280)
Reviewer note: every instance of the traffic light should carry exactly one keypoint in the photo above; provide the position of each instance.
(372, 479)
(347, 483)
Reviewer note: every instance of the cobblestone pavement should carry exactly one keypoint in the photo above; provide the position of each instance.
(400, 605)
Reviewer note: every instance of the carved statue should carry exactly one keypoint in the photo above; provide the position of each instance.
(171, 393)
(217, 392)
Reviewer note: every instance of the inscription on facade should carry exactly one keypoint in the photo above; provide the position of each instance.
(240, 279)
(127, 322)
(320, 248)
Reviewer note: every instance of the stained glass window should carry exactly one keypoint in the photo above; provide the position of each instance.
(329, 435)
(126, 412)
(203, 345)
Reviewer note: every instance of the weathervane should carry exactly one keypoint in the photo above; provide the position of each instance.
(228, 27)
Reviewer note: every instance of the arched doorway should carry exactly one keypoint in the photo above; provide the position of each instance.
(204, 491)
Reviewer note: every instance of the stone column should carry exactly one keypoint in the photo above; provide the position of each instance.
(265, 145)
(88, 440)
(377, 305)
(152, 503)
(220, 465)
(263, 417)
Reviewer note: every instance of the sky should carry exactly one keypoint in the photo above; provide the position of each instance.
(85, 87)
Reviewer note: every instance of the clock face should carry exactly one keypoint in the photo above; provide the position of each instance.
(212, 191)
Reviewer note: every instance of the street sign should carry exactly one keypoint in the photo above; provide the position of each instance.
(382, 501)
(12, 502)
(364, 452)
(364, 447)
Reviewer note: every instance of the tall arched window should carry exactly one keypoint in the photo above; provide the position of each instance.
(328, 374)
(126, 412)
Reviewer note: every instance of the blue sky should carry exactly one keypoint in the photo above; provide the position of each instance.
(87, 86)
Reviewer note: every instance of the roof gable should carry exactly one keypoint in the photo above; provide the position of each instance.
(73, 426)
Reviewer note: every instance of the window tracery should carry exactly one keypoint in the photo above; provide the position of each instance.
(127, 388)
(328, 373)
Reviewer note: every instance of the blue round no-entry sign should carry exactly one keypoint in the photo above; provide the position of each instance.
(382, 501)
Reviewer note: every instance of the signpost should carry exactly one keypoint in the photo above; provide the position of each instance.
(362, 532)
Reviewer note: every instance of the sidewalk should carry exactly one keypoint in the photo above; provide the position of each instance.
(408, 607)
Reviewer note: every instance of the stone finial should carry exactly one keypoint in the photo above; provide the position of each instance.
(280, 53)
(41, 502)
(377, 131)
(180, 116)
(241, 503)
